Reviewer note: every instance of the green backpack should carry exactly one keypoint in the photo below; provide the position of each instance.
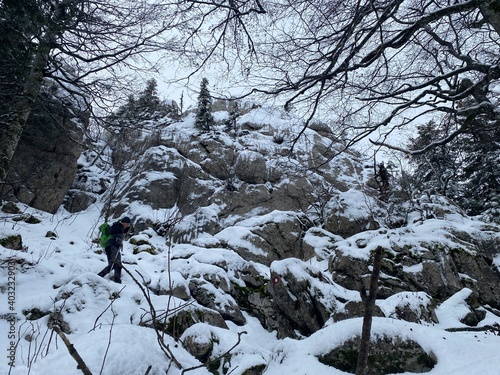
(105, 236)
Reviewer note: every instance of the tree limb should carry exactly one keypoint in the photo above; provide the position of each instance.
(82, 366)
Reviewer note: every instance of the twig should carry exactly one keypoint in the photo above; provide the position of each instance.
(167, 313)
(109, 342)
(55, 318)
(165, 348)
(170, 293)
(106, 309)
(494, 328)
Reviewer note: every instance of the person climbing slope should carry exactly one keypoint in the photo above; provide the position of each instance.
(113, 246)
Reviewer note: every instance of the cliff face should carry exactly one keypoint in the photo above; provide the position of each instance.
(44, 165)
(283, 203)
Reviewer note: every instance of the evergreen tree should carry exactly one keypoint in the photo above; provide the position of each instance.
(149, 102)
(204, 118)
(436, 170)
(234, 114)
(147, 106)
(128, 110)
(480, 173)
(466, 169)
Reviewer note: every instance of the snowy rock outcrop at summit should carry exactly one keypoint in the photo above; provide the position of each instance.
(256, 237)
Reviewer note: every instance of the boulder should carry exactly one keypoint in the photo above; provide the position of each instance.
(387, 355)
(206, 294)
(271, 237)
(347, 219)
(251, 167)
(299, 298)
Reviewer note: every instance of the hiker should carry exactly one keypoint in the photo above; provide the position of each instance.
(113, 246)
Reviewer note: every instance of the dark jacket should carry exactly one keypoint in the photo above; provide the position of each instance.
(117, 232)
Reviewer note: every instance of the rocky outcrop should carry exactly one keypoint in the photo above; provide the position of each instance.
(295, 298)
(438, 269)
(93, 177)
(45, 162)
(255, 228)
(270, 237)
(297, 223)
(189, 170)
(206, 294)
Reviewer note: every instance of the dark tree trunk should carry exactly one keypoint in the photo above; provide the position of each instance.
(21, 108)
(367, 318)
(490, 9)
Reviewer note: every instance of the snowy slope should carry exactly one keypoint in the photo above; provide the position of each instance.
(104, 316)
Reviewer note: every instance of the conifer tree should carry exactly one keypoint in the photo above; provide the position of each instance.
(435, 171)
(466, 169)
(204, 118)
(149, 101)
(147, 106)
(234, 114)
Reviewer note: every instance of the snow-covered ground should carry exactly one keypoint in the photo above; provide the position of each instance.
(59, 273)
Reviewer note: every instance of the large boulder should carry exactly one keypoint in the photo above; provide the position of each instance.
(278, 235)
(387, 354)
(350, 212)
(251, 167)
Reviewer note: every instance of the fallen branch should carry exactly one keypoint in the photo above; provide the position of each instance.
(494, 328)
(72, 351)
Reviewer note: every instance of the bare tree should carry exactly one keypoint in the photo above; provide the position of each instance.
(369, 301)
(86, 48)
(373, 66)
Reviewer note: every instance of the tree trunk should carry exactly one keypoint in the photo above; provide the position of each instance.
(368, 315)
(490, 9)
(21, 107)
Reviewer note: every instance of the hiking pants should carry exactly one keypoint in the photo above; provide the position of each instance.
(114, 263)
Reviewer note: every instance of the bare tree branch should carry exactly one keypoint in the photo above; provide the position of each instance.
(82, 366)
